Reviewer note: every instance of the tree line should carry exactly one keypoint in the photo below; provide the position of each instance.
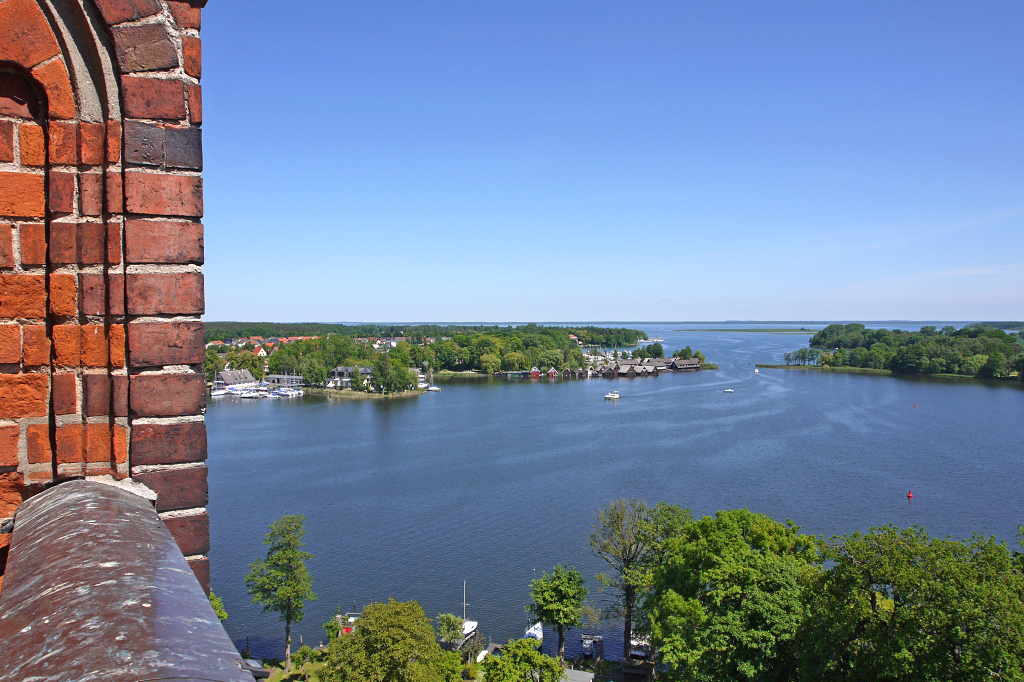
(737, 596)
(981, 351)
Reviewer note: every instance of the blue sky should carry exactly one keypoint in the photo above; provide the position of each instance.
(616, 161)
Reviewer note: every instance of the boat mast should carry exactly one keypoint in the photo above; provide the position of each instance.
(464, 605)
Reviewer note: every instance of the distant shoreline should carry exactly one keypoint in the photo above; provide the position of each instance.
(349, 394)
(809, 332)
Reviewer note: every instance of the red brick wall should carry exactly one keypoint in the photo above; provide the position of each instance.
(101, 247)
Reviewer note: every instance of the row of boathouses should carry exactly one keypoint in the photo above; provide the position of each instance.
(618, 368)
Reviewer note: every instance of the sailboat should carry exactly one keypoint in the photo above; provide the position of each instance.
(535, 631)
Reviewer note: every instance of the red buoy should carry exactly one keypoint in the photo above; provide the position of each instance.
(910, 495)
(915, 404)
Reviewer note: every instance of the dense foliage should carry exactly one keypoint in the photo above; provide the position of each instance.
(558, 601)
(391, 642)
(498, 348)
(740, 596)
(972, 351)
(521, 661)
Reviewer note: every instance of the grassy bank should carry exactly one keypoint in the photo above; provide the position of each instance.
(464, 374)
(842, 370)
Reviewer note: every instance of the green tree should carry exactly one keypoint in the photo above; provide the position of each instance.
(391, 642)
(514, 361)
(558, 601)
(247, 360)
(995, 366)
(218, 606)
(281, 582)
(490, 363)
(520, 661)
(356, 380)
(449, 628)
(313, 371)
(212, 365)
(618, 539)
(727, 597)
(898, 605)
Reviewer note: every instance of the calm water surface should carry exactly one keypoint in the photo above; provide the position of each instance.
(490, 481)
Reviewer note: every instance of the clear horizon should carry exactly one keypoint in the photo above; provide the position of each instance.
(796, 160)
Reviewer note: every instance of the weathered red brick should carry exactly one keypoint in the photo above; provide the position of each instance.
(163, 194)
(96, 388)
(33, 144)
(173, 343)
(6, 141)
(115, 192)
(63, 290)
(163, 241)
(69, 443)
(9, 446)
(192, 533)
(21, 194)
(93, 290)
(169, 293)
(39, 448)
(25, 35)
(36, 345)
(115, 294)
(53, 76)
(143, 143)
(24, 395)
(22, 296)
(159, 98)
(33, 244)
(120, 442)
(92, 243)
(113, 242)
(113, 141)
(97, 443)
(94, 345)
(90, 142)
(90, 193)
(67, 344)
(12, 490)
(168, 443)
(65, 394)
(63, 243)
(61, 187)
(115, 339)
(195, 103)
(144, 48)
(6, 246)
(10, 343)
(120, 11)
(192, 52)
(186, 14)
(119, 395)
(201, 568)
(177, 488)
(64, 143)
(166, 395)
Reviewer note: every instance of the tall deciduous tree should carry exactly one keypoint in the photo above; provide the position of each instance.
(449, 628)
(391, 642)
(558, 601)
(520, 661)
(727, 597)
(212, 365)
(618, 539)
(281, 582)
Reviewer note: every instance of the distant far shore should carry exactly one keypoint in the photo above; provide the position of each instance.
(756, 329)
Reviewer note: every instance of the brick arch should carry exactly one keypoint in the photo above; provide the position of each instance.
(100, 239)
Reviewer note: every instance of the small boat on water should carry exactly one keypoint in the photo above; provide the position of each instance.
(217, 392)
(728, 390)
(435, 389)
(535, 631)
(757, 371)
(614, 395)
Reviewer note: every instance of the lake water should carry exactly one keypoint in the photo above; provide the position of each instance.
(490, 481)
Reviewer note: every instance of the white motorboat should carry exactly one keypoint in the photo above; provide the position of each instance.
(614, 395)
(728, 390)
(757, 371)
(435, 389)
(217, 392)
